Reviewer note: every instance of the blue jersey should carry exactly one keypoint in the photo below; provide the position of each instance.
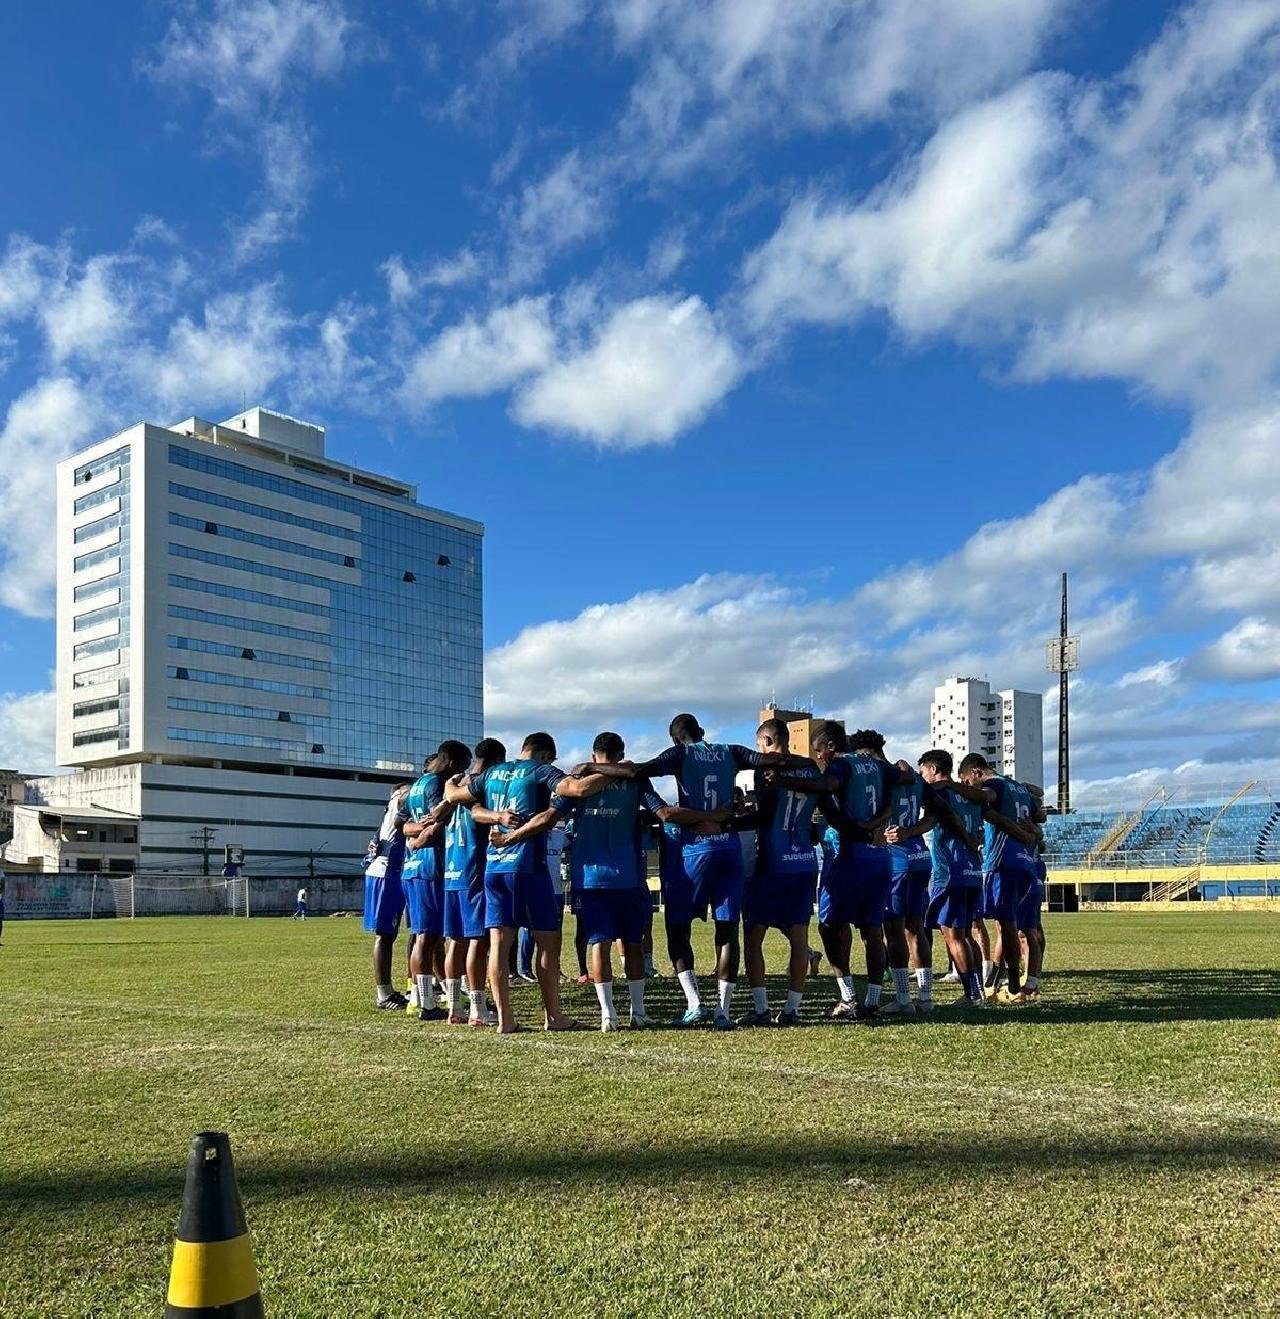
(954, 865)
(906, 802)
(784, 836)
(464, 846)
(607, 850)
(705, 773)
(1001, 851)
(425, 795)
(863, 785)
(518, 785)
(671, 853)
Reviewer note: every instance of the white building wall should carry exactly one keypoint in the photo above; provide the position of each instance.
(1006, 727)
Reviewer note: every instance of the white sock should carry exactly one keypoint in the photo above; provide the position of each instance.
(872, 999)
(479, 1001)
(760, 998)
(924, 982)
(1031, 982)
(726, 988)
(902, 983)
(689, 983)
(384, 993)
(453, 993)
(794, 997)
(604, 992)
(845, 984)
(422, 988)
(636, 989)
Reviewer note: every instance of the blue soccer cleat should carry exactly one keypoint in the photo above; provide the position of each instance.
(691, 1017)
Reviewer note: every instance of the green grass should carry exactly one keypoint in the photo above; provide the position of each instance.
(1116, 1148)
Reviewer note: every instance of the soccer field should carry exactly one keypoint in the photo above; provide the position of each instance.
(1116, 1147)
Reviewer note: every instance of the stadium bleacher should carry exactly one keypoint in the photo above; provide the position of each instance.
(1244, 832)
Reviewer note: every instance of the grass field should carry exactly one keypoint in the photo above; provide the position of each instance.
(1116, 1148)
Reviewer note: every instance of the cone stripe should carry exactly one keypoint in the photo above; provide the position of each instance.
(210, 1274)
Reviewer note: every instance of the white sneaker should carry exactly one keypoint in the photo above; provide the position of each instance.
(952, 977)
(894, 1008)
(609, 1025)
(640, 1021)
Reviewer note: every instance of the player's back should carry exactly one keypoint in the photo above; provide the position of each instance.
(523, 786)
(464, 848)
(785, 836)
(1002, 850)
(605, 832)
(906, 802)
(953, 862)
(707, 775)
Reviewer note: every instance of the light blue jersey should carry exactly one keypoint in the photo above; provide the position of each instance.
(464, 847)
(518, 785)
(607, 847)
(954, 865)
(705, 773)
(1001, 851)
(425, 795)
(864, 783)
(906, 803)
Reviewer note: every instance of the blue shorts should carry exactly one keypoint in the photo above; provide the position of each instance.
(608, 914)
(855, 887)
(523, 900)
(1002, 893)
(1029, 907)
(909, 889)
(955, 908)
(383, 903)
(712, 880)
(779, 901)
(464, 913)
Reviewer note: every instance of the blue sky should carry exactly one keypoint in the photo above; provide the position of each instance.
(782, 345)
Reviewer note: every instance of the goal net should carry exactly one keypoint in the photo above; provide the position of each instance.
(215, 895)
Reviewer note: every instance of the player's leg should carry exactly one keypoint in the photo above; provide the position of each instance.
(647, 941)
(797, 973)
(595, 920)
(897, 950)
(677, 912)
(920, 943)
(725, 882)
(455, 955)
(525, 956)
(978, 933)
(755, 924)
(383, 907)
(501, 940)
(540, 907)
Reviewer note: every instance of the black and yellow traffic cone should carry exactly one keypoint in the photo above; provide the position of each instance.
(213, 1272)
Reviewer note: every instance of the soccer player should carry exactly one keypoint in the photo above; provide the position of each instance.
(610, 895)
(1030, 925)
(1006, 862)
(384, 897)
(956, 884)
(518, 890)
(466, 939)
(856, 871)
(907, 941)
(300, 906)
(779, 893)
(711, 874)
(423, 874)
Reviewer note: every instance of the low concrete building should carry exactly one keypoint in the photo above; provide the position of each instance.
(79, 839)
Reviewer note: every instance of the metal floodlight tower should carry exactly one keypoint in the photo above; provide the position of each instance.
(1062, 656)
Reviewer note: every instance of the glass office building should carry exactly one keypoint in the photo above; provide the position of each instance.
(230, 597)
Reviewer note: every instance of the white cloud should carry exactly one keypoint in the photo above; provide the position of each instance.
(26, 732)
(42, 426)
(566, 206)
(250, 52)
(1248, 652)
(478, 357)
(1115, 230)
(254, 59)
(714, 76)
(654, 369)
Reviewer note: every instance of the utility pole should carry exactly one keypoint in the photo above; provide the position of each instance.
(204, 837)
(1062, 656)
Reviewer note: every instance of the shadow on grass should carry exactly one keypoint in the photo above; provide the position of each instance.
(803, 1166)
(1068, 997)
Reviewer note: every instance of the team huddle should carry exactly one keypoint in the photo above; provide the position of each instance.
(461, 857)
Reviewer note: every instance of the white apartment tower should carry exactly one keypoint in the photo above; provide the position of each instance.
(253, 640)
(1006, 727)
